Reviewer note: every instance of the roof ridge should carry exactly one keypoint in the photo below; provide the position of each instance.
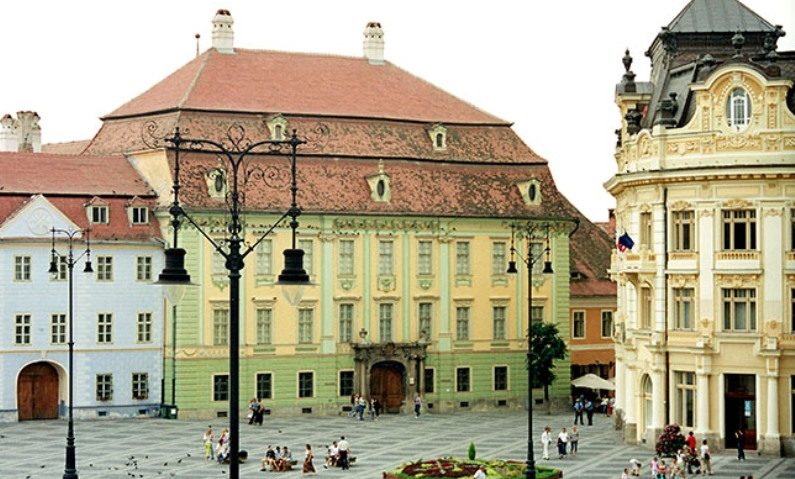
(192, 85)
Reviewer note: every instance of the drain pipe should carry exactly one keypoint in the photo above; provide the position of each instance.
(665, 309)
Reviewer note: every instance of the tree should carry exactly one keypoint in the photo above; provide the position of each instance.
(670, 441)
(547, 347)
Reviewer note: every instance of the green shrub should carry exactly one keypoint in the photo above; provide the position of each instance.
(472, 453)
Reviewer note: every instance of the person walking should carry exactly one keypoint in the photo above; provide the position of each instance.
(563, 441)
(344, 449)
(207, 443)
(706, 459)
(546, 440)
(589, 408)
(740, 436)
(578, 410)
(361, 405)
(308, 468)
(354, 405)
(417, 405)
(574, 438)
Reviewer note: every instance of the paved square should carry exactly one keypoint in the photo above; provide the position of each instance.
(152, 448)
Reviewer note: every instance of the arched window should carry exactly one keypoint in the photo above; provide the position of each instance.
(439, 140)
(278, 133)
(738, 109)
(646, 401)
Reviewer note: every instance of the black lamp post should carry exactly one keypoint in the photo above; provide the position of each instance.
(70, 468)
(530, 231)
(232, 153)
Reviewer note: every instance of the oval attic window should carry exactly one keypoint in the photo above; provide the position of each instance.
(219, 182)
(532, 192)
(380, 188)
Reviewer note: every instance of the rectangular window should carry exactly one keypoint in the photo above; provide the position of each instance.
(305, 326)
(306, 384)
(346, 263)
(264, 386)
(683, 229)
(22, 268)
(98, 214)
(462, 380)
(220, 326)
(792, 311)
(645, 229)
(462, 323)
(685, 398)
(425, 257)
(144, 327)
(498, 255)
(221, 387)
(265, 258)
(63, 269)
(143, 268)
(578, 324)
(386, 258)
(607, 324)
(346, 322)
(104, 387)
(104, 328)
(140, 385)
(462, 258)
(425, 319)
(385, 312)
(428, 387)
(739, 230)
(139, 215)
(22, 329)
(307, 246)
(346, 383)
(537, 314)
(498, 321)
(104, 268)
(58, 328)
(645, 308)
(739, 309)
(683, 308)
(500, 378)
(264, 318)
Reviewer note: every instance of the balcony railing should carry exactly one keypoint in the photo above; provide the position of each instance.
(737, 255)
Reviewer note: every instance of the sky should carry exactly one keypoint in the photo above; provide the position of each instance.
(549, 67)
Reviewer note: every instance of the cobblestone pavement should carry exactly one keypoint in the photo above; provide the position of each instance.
(153, 448)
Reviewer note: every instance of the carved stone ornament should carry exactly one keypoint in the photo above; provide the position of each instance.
(773, 211)
(680, 205)
(737, 280)
(737, 203)
(682, 280)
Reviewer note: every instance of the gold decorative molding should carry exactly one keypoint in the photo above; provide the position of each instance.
(737, 203)
(682, 280)
(743, 142)
(735, 280)
(773, 211)
(680, 205)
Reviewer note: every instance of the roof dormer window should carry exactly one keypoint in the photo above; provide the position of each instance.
(379, 185)
(216, 183)
(438, 136)
(139, 215)
(277, 126)
(98, 214)
(530, 191)
(738, 109)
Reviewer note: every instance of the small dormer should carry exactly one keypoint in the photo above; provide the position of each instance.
(137, 211)
(438, 134)
(379, 185)
(530, 191)
(217, 185)
(98, 211)
(277, 127)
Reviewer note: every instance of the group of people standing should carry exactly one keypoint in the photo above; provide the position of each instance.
(256, 411)
(359, 403)
(218, 451)
(567, 442)
(339, 454)
(688, 460)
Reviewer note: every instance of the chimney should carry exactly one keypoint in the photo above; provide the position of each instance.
(223, 35)
(374, 43)
(22, 134)
(611, 221)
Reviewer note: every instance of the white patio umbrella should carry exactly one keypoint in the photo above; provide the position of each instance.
(592, 381)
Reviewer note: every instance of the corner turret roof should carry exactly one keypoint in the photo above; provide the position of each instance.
(706, 16)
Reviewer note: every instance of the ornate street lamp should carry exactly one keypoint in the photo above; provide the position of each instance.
(232, 152)
(533, 229)
(70, 468)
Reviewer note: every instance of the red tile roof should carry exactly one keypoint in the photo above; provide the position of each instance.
(262, 81)
(65, 148)
(32, 173)
(591, 248)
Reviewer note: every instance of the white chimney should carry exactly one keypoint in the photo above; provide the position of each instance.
(374, 43)
(22, 133)
(223, 35)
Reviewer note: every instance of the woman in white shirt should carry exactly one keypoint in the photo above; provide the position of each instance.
(546, 440)
(563, 442)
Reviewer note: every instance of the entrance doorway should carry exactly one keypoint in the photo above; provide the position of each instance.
(740, 409)
(387, 384)
(37, 392)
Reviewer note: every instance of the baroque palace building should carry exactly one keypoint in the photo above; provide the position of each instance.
(408, 195)
(705, 187)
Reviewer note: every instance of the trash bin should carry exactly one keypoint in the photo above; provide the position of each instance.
(169, 411)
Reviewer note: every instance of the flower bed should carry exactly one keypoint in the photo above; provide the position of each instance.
(450, 468)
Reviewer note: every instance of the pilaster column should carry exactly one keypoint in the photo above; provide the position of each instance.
(620, 383)
(658, 402)
(630, 397)
(702, 403)
(772, 407)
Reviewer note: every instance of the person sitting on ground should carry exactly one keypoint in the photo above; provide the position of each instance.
(480, 473)
(285, 462)
(333, 455)
(268, 460)
(634, 467)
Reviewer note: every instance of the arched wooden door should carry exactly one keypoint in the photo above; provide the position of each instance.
(37, 392)
(386, 384)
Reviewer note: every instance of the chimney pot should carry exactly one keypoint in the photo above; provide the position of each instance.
(223, 34)
(374, 43)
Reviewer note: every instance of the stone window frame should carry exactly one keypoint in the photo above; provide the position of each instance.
(104, 386)
(574, 321)
(23, 266)
(215, 390)
(58, 328)
(298, 386)
(494, 377)
(139, 386)
(340, 392)
(257, 390)
(22, 329)
(143, 327)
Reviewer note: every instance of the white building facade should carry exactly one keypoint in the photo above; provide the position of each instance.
(705, 188)
(117, 311)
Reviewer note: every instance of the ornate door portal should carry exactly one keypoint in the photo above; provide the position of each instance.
(386, 384)
(37, 392)
(391, 372)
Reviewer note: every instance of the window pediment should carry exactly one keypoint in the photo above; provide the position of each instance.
(277, 126)
(438, 135)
